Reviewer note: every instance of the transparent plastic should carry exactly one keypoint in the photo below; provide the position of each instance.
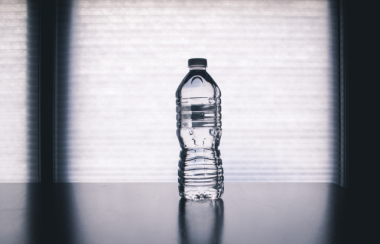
(199, 129)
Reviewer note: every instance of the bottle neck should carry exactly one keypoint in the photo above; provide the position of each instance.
(197, 67)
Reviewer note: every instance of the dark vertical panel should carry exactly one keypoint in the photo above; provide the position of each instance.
(33, 21)
(363, 100)
(47, 84)
(47, 80)
(62, 87)
(336, 111)
(363, 116)
(342, 96)
(337, 52)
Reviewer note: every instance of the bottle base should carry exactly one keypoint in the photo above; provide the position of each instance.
(200, 193)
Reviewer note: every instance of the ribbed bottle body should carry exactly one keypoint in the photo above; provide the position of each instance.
(199, 129)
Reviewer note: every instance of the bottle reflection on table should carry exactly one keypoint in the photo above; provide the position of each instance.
(200, 221)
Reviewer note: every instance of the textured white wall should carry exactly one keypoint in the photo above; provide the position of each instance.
(18, 91)
(274, 61)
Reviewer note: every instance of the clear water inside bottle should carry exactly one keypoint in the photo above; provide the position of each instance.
(199, 129)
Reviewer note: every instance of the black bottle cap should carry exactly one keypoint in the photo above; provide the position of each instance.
(198, 61)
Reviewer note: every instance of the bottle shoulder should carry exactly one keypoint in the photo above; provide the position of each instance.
(197, 83)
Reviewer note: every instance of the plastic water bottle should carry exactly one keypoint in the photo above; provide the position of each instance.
(199, 129)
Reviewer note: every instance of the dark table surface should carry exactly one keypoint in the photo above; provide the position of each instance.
(153, 213)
